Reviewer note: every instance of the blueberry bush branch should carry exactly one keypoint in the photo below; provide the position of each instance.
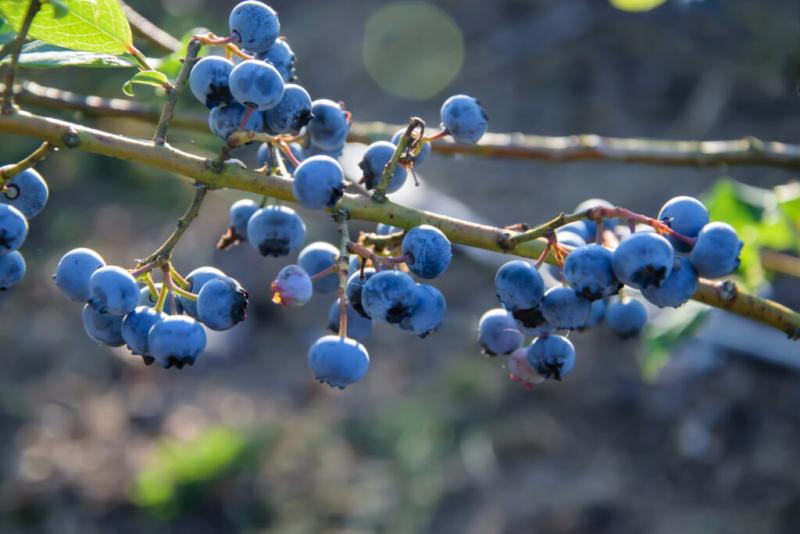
(172, 93)
(14, 49)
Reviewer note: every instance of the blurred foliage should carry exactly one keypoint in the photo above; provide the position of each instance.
(636, 5)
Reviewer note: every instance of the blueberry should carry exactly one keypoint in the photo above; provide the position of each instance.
(197, 279)
(596, 315)
(685, 215)
(569, 238)
(13, 228)
(102, 327)
(358, 326)
(150, 300)
(27, 191)
(313, 150)
(424, 152)
(292, 286)
(643, 260)
(551, 356)
(498, 333)
(327, 129)
(318, 182)
(208, 81)
(222, 304)
(264, 157)
(338, 361)
(317, 257)
(372, 164)
(386, 229)
(565, 309)
(583, 229)
(354, 264)
(225, 120)
(531, 318)
(74, 270)
(355, 285)
(292, 112)
(256, 84)
(429, 251)
(588, 271)
(281, 56)
(464, 119)
(389, 296)
(677, 288)
(519, 370)
(254, 26)
(626, 317)
(716, 251)
(519, 286)
(12, 270)
(276, 231)
(428, 313)
(239, 216)
(176, 340)
(113, 290)
(135, 328)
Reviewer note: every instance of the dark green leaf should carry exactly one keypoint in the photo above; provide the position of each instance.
(153, 78)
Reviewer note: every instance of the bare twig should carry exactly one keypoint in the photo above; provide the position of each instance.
(14, 49)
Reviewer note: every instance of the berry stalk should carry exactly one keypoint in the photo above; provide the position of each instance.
(9, 171)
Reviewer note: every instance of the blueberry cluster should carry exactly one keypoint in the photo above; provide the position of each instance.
(150, 320)
(23, 197)
(661, 259)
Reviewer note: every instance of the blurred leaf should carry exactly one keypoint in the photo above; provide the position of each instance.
(60, 8)
(636, 5)
(171, 64)
(40, 55)
(89, 25)
(153, 78)
(789, 201)
(666, 332)
(7, 32)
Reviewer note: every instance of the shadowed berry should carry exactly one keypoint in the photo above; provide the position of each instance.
(239, 216)
(358, 326)
(428, 313)
(281, 56)
(498, 333)
(226, 119)
(588, 271)
(222, 304)
(685, 215)
(197, 279)
(318, 182)
(551, 356)
(254, 26)
(136, 327)
(626, 317)
(677, 288)
(208, 81)
(291, 113)
(389, 296)
(519, 286)
(176, 341)
(256, 84)
(102, 327)
(327, 129)
(12, 270)
(355, 285)
(565, 309)
(13, 228)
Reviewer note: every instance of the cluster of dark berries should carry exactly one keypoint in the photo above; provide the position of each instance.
(610, 257)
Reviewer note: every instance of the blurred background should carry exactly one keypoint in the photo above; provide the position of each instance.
(435, 439)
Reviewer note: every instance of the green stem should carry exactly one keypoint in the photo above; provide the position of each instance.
(15, 47)
(172, 94)
(406, 140)
(9, 171)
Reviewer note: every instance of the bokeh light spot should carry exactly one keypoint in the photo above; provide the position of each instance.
(412, 49)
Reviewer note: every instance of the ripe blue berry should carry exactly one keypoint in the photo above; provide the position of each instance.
(254, 26)
(13, 228)
(240, 214)
(281, 56)
(176, 340)
(222, 304)
(519, 370)
(338, 361)
(358, 326)
(276, 231)
(429, 250)
(464, 119)
(569, 238)
(208, 81)
(551, 356)
(389, 296)
(588, 271)
(716, 252)
(256, 84)
(685, 215)
(424, 152)
(291, 113)
(643, 260)
(136, 327)
(102, 327)
(519, 286)
(498, 333)
(355, 285)
(596, 315)
(74, 270)
(27, 191)
(148, 299)
(315, 258)
(580, 228)
(565, 309)
(318, 182)
(372, 164)
(327, 129)
(197, 279)
(428, 313)
(626, 317)
(225, 120)
(113, 290)
(677, 288)
(12, 270)
(292, 286)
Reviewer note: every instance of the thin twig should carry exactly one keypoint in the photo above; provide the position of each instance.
(343, 262)
(14, 49)
(406, 140)
(9, 171)
(172, 95)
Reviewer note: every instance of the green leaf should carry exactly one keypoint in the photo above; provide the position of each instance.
(39, 55)
(666, 332)
(60, 8)
(146, 77)
(636, 5)
(89, 25)
(789, 201)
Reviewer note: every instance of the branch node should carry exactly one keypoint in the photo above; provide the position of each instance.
(71, 138)
(727, 290)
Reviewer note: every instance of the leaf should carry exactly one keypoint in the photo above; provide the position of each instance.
(789, 201)
(89, 25)
(39, 55)
(60, 8)
(7, 32)
(636, 5)
(666, 332)
(146, 77)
